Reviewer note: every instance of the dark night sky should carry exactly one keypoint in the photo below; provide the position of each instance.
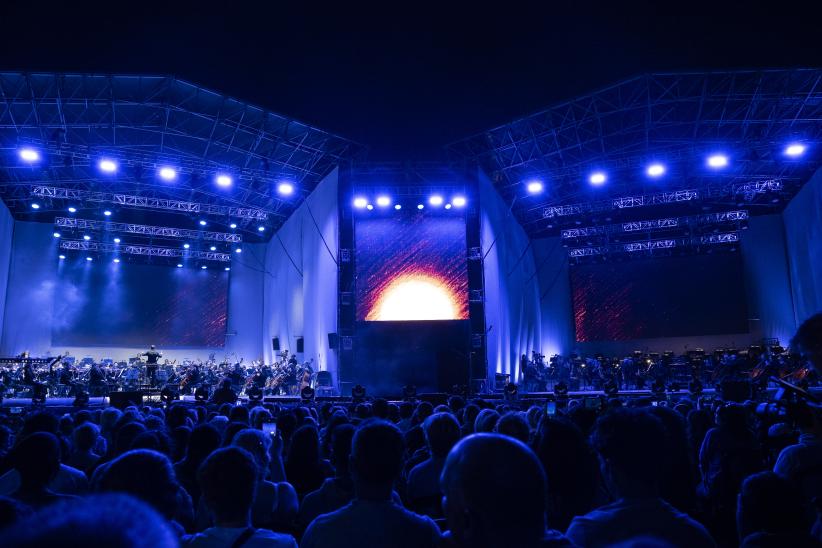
(403, 80)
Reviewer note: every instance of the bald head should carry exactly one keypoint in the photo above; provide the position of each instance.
(494, 485)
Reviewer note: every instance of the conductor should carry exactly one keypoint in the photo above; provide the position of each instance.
(152, 357)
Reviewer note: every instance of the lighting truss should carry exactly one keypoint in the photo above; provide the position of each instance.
(726, 238)
(151, 251)
(649, 245)
(653, 245)
(624, 202)
(147, 230)
(656, 224)
(147, 202)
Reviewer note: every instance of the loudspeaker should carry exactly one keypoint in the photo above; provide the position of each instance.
(300, 345)
(275, 344)
(333, 341)
(121, 400)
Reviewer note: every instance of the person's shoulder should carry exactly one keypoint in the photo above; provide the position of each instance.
(274, 539)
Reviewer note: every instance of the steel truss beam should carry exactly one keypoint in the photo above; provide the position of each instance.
(127, 200)
(147, 230)
(652, 245)
(151, 251)
(656, 224)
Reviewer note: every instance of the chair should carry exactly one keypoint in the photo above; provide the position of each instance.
(324, 384)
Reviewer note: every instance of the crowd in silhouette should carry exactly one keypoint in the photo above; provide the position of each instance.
(461, 473)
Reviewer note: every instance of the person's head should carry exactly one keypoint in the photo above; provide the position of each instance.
(379, 408)
(305, 445)
(808, 341)
(341, 439)
(376, 458)
(203, 440)
(145, 474)
(406, 410)
(455, 403)
(733, 418)
(85, 436)
(96, 520)
(494, 492)
(239, 413)
(515, 425)
(230, 431)
(258, 444)
(442, 431)
(40, 421)
(228, 479)
(486, 421)
(630, 443)
(771, 504)
(152, 347)
(37, 460)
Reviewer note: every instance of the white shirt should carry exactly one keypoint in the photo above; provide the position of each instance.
(221, 537)
(375, 524)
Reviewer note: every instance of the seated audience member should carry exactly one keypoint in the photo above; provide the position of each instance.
(305, 469)
(148, 476)
(85, 439)
(679, 480)
(494, 495)
(442, 432)
(571, 470)
(486, 421)
(515, 425)
(228, 479)
(203, 440)
(335, 492)
(90, 522)
(802, 462)
(37, 460)
(276, 503)
(373, 518)
(224, 394)
(631, 444)
(772, 508)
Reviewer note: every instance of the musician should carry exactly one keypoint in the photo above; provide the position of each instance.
(152, 359)
(224, 394)
(28, 374)
(237, 375)
(66, 374)
(96, 375)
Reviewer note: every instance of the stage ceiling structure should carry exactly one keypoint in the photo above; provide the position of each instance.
(143, 124)
(674, 120)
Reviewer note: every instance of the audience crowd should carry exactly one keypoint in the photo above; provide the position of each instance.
(449, 472)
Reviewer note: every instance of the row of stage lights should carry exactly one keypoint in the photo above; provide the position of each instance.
(169, 174)
(116, 260)
(656, 170)
(87, 238)
(384, 201)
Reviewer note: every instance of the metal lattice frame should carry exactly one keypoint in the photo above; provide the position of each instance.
(650, 246)
(146, 250)
(667, 223)
(146, 230)
(675, 117)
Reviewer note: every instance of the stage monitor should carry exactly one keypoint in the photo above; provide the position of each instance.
(134, 305)
(659, 297)
(411, 266)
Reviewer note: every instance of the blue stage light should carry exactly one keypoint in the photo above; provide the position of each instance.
(238, 250)
(655, 170)
(35, 206)
(795, 150)
(360, 202)
(116, 240)
(86, 237)
(447, 206)
(383, 201)
(29, 155)
(233, 225)
(224, 180)
(261, 228)
(107, 166)
(179, 265)
(435, 200)
(597, 178)
(203, 223)
(369, 207)
(116, 260)
(458, 201)
(88, 258)
(717, 161)
(72, 210)
(227, 268)
(167, 173)
(56, 234)
(397, 206)
(204, 267)
(186, 246)
(107, 213)
(212, 248)
(535, 186)
(62, 257)
(285, 189)
(420, 206)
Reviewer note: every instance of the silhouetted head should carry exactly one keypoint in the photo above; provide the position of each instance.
(771, 504)
(146, 475)
(376, 456)
(442, 431)
(228, 479)
(37, 459)
(515, 425)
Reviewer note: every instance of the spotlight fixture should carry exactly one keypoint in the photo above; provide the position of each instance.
(86, 237)
(238, 250)
(62, 257)
(201, 393)
(107, 213)
(420, 206)
(717, 161)
(369, 207)
(35, 206)
(168, 173)
(435, 200)
(447, 206)
(535, 186)
(56, 234)
(89, 259)
(597, 178)
(655, 170)
(795, 150)
(261, 228)
(458, 201)
(307, 394)
(213, 248)
(186, 246)
(397, 207)
(227, 268)
(383, 201)
(360, 202)
(116, 260)
(107, 166)
(72, 210)
(358, 393)
(409, 392)
(29, 155)
(116, 240)
(224, 180)
(204, 267)
(233, 225)
(179, 265)
(285, 189)
(203, 223)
